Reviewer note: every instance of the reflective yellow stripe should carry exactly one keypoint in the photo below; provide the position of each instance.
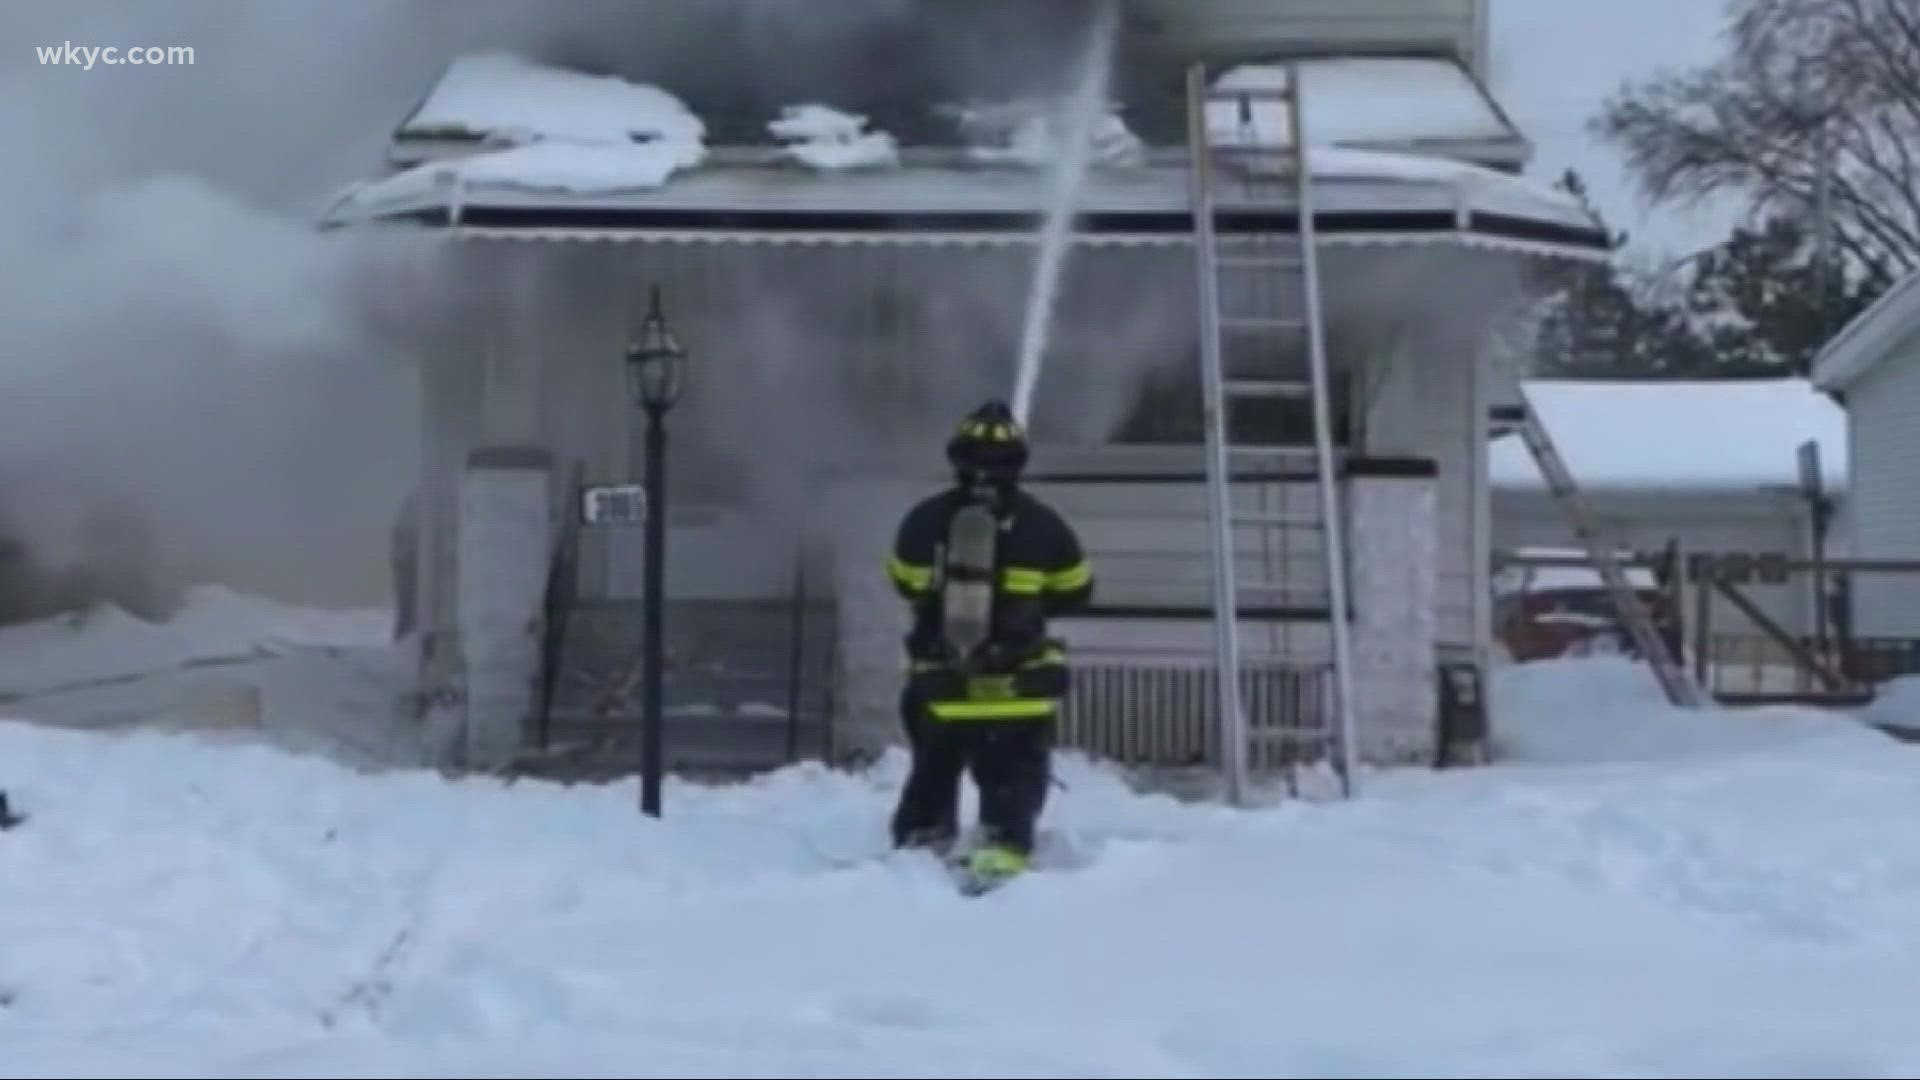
(1048, 657)
(985, 432)
(909, 576)
(1073, 577)
(1023, 582)
(1016, 709)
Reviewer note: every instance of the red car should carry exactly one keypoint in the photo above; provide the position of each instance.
(1548, 612)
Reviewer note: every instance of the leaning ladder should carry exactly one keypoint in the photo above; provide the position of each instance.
(1674, 680)
(1297, 263)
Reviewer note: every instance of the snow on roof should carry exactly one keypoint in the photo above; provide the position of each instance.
(552, 167)
(1369, 102)
(826, 138)
(1680, 436)
(1031, 132)
(1483, 189)
(496, 93)
(1872, 337)
(547, 129)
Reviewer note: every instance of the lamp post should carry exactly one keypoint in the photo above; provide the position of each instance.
(656, 369)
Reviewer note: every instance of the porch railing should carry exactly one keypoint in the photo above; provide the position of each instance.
(747, 685)
(1164, 714)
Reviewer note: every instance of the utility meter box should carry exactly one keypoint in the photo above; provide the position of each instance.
(1463, 714)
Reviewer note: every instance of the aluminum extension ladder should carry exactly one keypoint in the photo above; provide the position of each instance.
(1293, 264)
(1674, 680)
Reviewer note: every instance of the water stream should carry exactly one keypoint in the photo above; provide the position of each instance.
(1085, 111)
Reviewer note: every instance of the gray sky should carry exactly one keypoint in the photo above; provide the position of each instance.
(1555, 63)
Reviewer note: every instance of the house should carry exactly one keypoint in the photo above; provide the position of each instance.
(1872, 367)
(1709, 465)
(848, 293)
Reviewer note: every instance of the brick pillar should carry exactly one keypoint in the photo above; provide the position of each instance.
(506, 545)
(1393, 567)
(872, 618)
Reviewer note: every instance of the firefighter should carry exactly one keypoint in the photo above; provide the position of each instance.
(984, 565)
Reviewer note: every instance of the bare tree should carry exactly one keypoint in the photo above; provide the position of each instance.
(1817, 102)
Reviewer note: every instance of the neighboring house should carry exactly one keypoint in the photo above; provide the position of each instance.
(1711, 465)
(846, 299)
(1872, 367)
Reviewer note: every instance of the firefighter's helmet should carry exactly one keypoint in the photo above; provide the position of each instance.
(989, 445)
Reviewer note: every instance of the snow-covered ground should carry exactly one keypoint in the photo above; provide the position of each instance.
(1897, 705)
(323, 681)
(1631, 891)
(214, 625)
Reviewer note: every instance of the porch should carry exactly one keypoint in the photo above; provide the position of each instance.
(840, 319)
(816, 412)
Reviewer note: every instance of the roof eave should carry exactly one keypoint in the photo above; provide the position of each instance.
(1870, 338)
(1490, 231)
(1508, 155)
(1374, 205)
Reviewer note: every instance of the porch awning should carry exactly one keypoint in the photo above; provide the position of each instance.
(544, 192)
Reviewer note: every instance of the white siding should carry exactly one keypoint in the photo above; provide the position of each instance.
(1453, 434)
(1884, 492)
(1423, 407)
(1150, 544)
(1253, 27)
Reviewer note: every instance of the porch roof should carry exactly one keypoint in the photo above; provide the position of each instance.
(1412, 104)
(570, 192)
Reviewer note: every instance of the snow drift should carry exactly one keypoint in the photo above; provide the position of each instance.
(1897, 705)
(1622, 716)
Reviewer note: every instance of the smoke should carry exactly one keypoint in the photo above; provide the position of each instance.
(199, 387)
(819, 363)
